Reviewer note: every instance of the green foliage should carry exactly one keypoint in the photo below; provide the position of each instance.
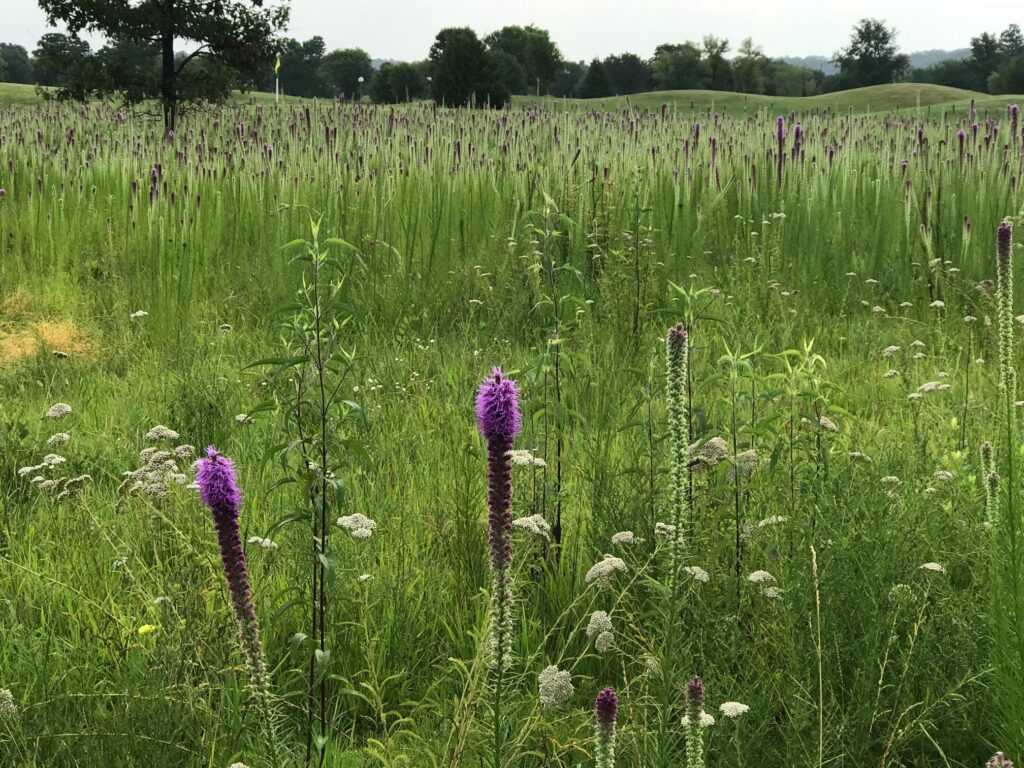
(342, 69)
(872, 57)
(791, 292)
(397, 83)
(534, 53)
(464, 74)
(238, 34)
(17, 64)
(56, 55)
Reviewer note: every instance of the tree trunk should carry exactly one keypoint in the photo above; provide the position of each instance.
(167, 90)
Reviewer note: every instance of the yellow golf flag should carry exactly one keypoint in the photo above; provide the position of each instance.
(277, 65)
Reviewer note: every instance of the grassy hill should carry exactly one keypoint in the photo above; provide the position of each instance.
(877, 98)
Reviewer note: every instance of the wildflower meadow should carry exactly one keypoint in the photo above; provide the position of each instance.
(345, 435)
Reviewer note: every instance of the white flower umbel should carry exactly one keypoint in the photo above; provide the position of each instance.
(555, 686)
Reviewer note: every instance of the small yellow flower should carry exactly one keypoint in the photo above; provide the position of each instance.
(146, 629)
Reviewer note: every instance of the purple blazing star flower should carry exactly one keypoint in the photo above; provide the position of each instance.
(499, 421)
(606, 709)
(1004, 243)
(218, 490)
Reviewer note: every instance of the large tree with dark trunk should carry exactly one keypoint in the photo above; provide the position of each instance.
(236, 34)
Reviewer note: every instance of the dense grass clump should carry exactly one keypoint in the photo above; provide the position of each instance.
(792, 516)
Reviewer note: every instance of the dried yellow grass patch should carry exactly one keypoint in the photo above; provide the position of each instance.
(45, 336)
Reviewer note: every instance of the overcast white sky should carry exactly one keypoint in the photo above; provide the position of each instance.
(583, 29)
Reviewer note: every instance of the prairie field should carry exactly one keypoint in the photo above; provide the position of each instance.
(807, 494)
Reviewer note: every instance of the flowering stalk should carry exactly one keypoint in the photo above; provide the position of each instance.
(677, 365)
(218, 489)
(990, 479)
(606, 709)
(499, 421)
(1010, 612)
(694, 722)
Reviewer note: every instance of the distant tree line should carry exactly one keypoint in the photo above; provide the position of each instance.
(464, 69)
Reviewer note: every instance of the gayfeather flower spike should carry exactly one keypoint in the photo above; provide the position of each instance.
(677, 372)
(218, 490)
(499, 421)
(695, 721)
(606, 710)
(1004, 294)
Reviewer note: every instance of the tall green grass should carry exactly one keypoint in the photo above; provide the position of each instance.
(516, 238)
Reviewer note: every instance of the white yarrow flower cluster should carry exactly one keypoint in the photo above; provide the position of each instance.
(523, 458)
(600, 627)
(602, 572)
(706, 720)
(359, 525)
(555, 686)
(158, 473)
(58, 439)
(160, 433)
(733, 709)
(760, 577)
(535, 525)
(624, 538)
(263, 543)
(697, 573)
(58, 411)
(932, 568)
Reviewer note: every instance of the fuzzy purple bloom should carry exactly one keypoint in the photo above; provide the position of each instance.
(1004, 243)
(606, 708)
(497, 408)
(695, 697)
(218, 489)
(499, 421)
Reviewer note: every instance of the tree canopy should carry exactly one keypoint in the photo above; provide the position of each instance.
(464, 72)
(237, 36)
(872, 57)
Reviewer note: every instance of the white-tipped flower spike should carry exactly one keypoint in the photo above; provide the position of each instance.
(358, 524)
(602, 572)
(8, 709)
(58, 411)
(535, 525)
(606, 707)
(555, 686)
(733, 709)
(694, 722)
(677, 364)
